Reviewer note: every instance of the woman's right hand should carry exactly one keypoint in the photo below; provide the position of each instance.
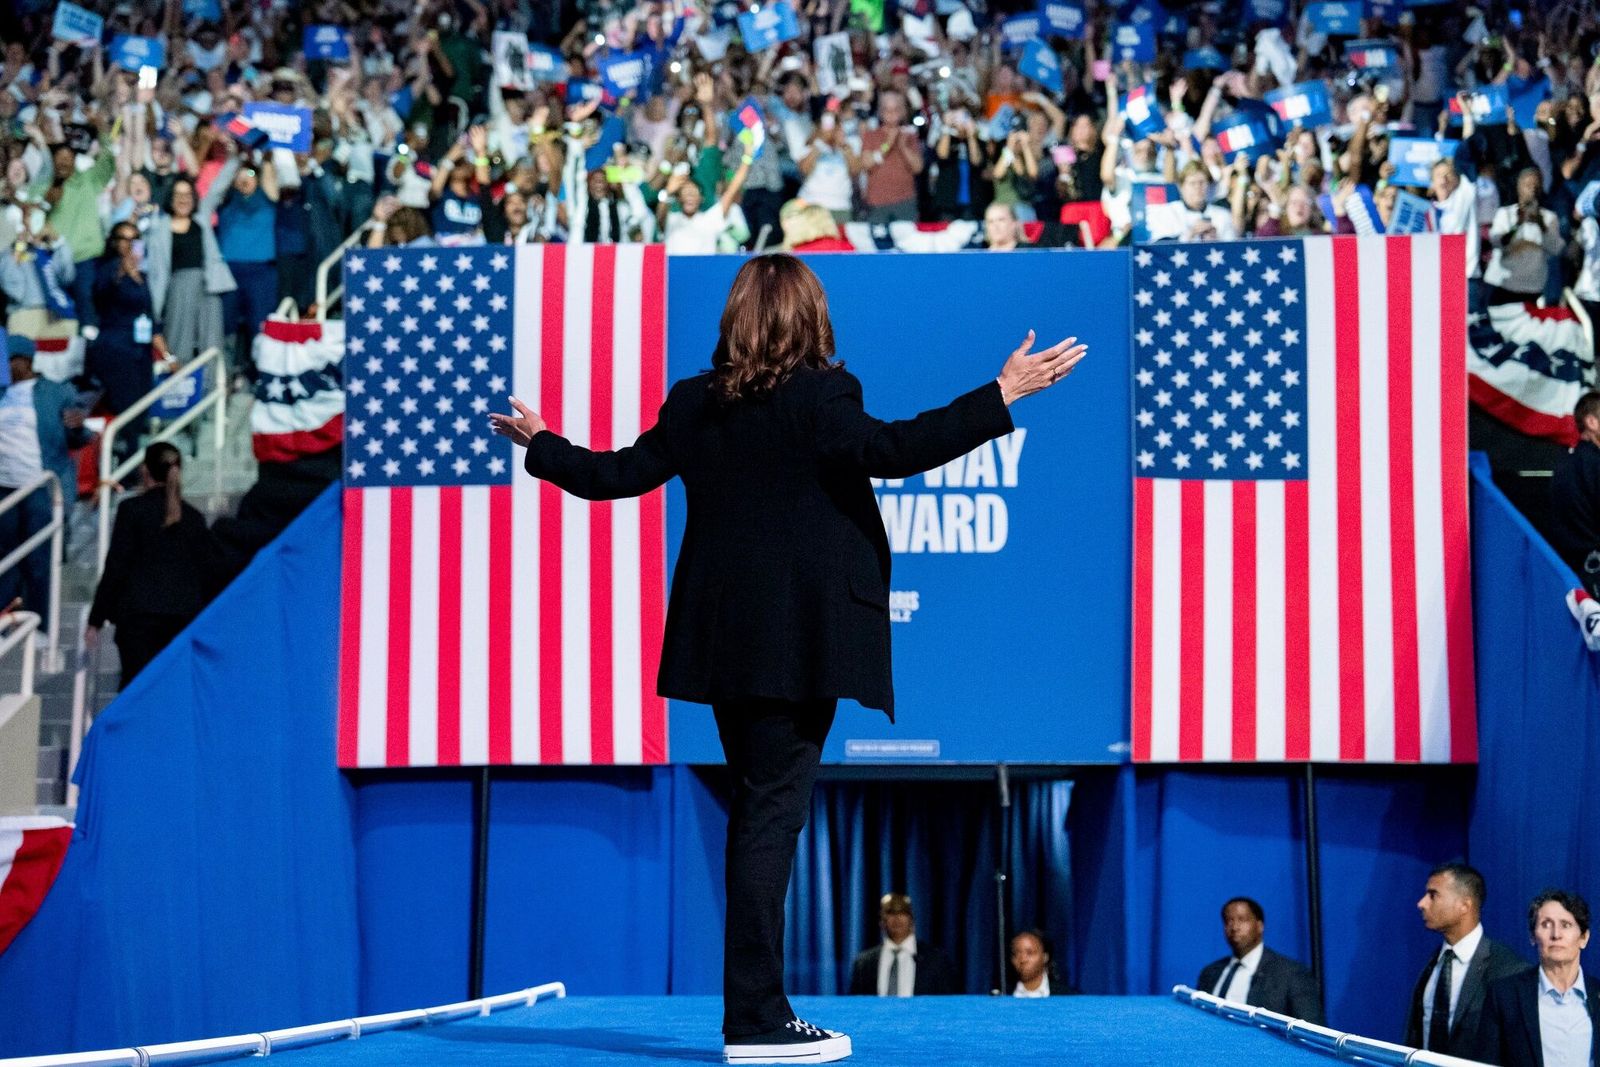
(1025, 374)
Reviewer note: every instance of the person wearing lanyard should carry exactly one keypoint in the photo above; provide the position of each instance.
(120, 357)
(1545, 1016)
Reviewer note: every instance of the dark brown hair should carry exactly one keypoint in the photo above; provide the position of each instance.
(776, 320)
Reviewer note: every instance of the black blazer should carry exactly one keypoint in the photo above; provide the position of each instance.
(782, 582)
(1510, 1030)
(1490, 963)
(1279, 984)
(934, 977)
(153, 569)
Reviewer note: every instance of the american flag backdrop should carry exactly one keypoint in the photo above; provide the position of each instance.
(1300, 569)
(488, 618)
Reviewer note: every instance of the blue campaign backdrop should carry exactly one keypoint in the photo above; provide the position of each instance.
(1052, 602)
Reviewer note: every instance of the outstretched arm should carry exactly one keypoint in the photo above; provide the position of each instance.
(631, 471)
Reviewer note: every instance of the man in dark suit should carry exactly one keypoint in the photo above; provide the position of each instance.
(1547, 1016)
(900, 966)
(780, 597)
(1256, 975)
(1447, 1004)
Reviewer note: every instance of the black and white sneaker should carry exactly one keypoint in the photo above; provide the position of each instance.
(796, 1041)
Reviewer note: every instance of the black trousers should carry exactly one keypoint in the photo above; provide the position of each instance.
(773, 748)
(141, 637)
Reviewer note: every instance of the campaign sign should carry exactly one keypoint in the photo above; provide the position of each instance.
(1411, 214)
(1386, 11)
(581, 91)
(1062, 18)
(1142, 112)
(546, 64)
(1204, 58)
(204, 10)
(1372, 55)
(750, 128)
(326, 42)
(611, 134)
(1134, 42)
(1414, 157)
(1526, 100)
(768, 26)
(131, 53)
(1000, 124)
(1040, 63)
(1488, 106)
(510, 53)
(1305, 104)
(1243, 134)
(1264, 10)
(285, 125)
(1146, 195)
(623, 75)
(1335, 18)
(1018, 30)
(179, 399)
(76, 25)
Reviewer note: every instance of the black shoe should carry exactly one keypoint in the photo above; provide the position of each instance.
(794, 1042)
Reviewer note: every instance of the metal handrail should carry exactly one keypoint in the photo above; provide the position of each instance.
(110, 476)
(325, 298)
(52, 532)
(24, 625)
(85, 694)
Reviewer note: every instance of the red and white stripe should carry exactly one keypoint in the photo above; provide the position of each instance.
(1327, 619)
(515, 624)
(32, 849)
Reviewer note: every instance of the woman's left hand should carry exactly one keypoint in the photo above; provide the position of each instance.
(521, 427)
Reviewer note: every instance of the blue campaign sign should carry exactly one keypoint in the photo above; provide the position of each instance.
(546, 64)
(131, 53)
(285, 125)
(326, 42)
(1372, 54)
(581, 91)
(598, 154)
(1414, 157)
(1243, 133)
(986, 550)
(1141, 110)
(1134, 42)
(624, 74)
(1488, 106)
(1386, 11)
(76, 25)
(1264, 10)
(1305, 105)
(204, 10)
(1018, 30)
(1204, 58)
(1335, 18)
(1411, 214)
(180, 399)
(1040, 63)
(1062, 18)
(768, 26)
(1526, 98)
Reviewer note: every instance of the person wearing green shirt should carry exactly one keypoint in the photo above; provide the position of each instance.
(76, 217)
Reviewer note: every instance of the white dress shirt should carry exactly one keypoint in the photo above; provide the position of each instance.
(1565, 1031)
(907, 979)
(1238, 989)
(1464, 949)
(1042, 991)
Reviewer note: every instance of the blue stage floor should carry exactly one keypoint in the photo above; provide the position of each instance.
(925, 1031)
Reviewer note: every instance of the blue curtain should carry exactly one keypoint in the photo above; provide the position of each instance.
(1539, 742)
(939, 841)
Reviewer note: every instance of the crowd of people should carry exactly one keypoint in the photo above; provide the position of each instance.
(1474, 998)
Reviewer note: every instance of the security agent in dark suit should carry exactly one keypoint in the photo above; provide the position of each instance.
(1448, 1017)
(912, 968)
(1255, 974)
(1546, 1016)
(779, 603)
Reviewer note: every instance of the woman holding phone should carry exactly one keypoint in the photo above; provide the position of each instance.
(779, 602)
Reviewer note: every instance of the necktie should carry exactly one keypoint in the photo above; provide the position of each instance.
(1227, 979)
(894, 975)
(1439, 1025)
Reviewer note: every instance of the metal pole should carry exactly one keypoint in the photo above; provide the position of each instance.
(58, 517)
(1004, 785)
(219, 429)
(1313, 875)
(480, 882)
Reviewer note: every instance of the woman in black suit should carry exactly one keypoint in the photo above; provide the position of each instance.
(779, 603)
(1546, 1016)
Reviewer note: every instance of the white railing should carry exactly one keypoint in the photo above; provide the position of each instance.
(85, 694)
(1351, 1047)
(325, 298)
(270, 1041)
(52, 532)
(216, 401)
(24, 624)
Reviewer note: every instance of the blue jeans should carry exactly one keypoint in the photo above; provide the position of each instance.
(30, 577)
(247, 307)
